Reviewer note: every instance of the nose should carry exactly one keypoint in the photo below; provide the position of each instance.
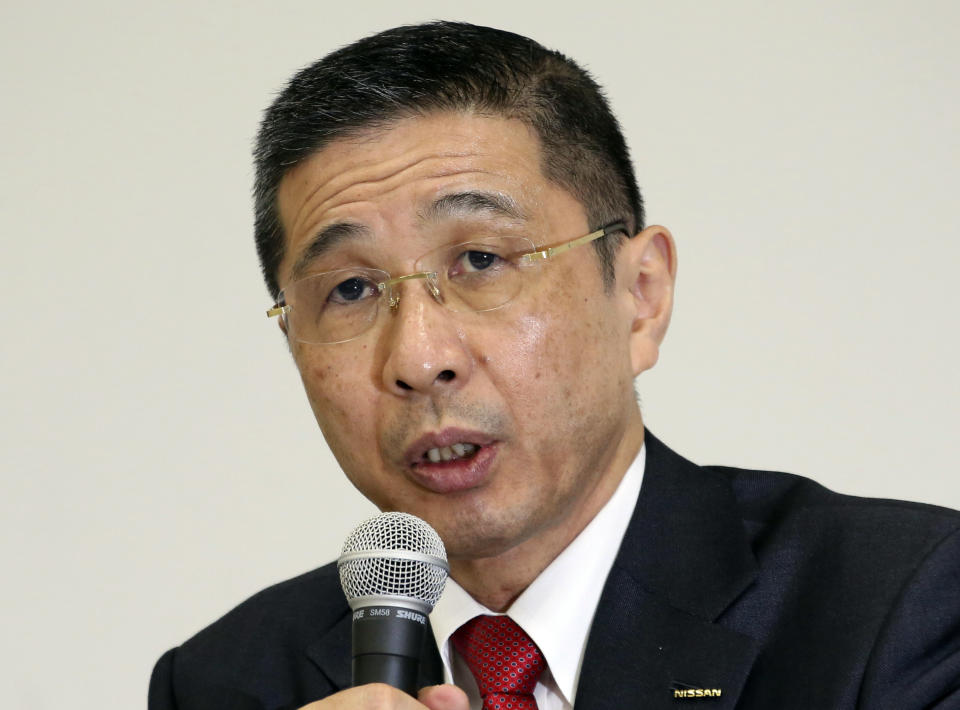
(424, 346)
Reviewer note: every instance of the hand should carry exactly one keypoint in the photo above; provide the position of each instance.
(377, 696)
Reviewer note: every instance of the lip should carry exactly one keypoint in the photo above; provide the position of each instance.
(456, 475)
(446, 437)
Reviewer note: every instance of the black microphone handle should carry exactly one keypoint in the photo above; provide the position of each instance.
(387, 642)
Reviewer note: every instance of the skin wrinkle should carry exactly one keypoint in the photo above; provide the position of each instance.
(356, 175)
(349, 183)
(358, 204)
(325, 241)
(464, 204)
(373, 137)
(547, 376)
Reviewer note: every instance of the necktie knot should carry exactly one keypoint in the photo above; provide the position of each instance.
(504, 660)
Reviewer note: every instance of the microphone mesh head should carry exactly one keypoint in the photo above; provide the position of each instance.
(394, 555)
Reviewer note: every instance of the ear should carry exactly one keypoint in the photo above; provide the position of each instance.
(282, 322)
(646, 273)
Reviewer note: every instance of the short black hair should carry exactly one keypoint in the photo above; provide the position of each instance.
(450, 66)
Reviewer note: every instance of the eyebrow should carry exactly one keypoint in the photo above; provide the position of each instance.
(325, 240)
(459, 204)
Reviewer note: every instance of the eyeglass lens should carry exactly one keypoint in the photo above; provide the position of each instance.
(337, 306)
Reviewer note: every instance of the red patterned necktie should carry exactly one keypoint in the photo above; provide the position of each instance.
(504, 660)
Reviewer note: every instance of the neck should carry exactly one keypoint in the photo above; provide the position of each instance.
(497, 581)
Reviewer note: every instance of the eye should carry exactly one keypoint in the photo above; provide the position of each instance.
(353, 290)
(473, 261)
(480, 260)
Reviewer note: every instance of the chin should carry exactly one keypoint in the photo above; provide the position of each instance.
(473, 536)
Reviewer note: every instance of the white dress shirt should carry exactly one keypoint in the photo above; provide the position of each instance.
(557, 609)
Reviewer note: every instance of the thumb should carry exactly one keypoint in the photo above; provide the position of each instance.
(444, 697)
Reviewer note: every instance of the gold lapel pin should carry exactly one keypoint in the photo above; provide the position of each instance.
(683, 690)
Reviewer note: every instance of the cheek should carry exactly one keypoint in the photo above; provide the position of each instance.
(343, 409)
(345, 414)
(524, 353)
(537, 364)
(564, 359)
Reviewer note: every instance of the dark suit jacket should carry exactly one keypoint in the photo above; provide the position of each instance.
(766, 586)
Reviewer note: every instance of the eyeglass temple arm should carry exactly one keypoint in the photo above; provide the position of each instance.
(277, 310)
(553, 251)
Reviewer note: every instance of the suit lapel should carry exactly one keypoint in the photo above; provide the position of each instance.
(684, 559)
(331, 652)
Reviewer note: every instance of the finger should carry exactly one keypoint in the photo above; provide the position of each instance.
(373, 696)
(444, 697)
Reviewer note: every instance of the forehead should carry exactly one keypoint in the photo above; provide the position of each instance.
(383, 177)
(438, 143)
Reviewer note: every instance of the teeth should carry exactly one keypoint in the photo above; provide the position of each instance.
(449, 453)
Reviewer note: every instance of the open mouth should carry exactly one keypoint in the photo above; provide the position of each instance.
(452, 460)
(452, 468)
(454, 452)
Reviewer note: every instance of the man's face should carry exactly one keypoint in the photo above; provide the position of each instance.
(539, 391)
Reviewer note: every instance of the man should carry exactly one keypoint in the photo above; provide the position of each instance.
(449, 221)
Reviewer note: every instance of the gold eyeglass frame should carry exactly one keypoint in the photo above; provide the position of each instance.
(431, 276)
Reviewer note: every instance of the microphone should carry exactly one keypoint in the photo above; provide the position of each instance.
(392, 569)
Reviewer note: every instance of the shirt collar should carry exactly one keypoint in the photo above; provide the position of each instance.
(557, 609)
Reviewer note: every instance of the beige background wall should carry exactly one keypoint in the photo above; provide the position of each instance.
(159, 461)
